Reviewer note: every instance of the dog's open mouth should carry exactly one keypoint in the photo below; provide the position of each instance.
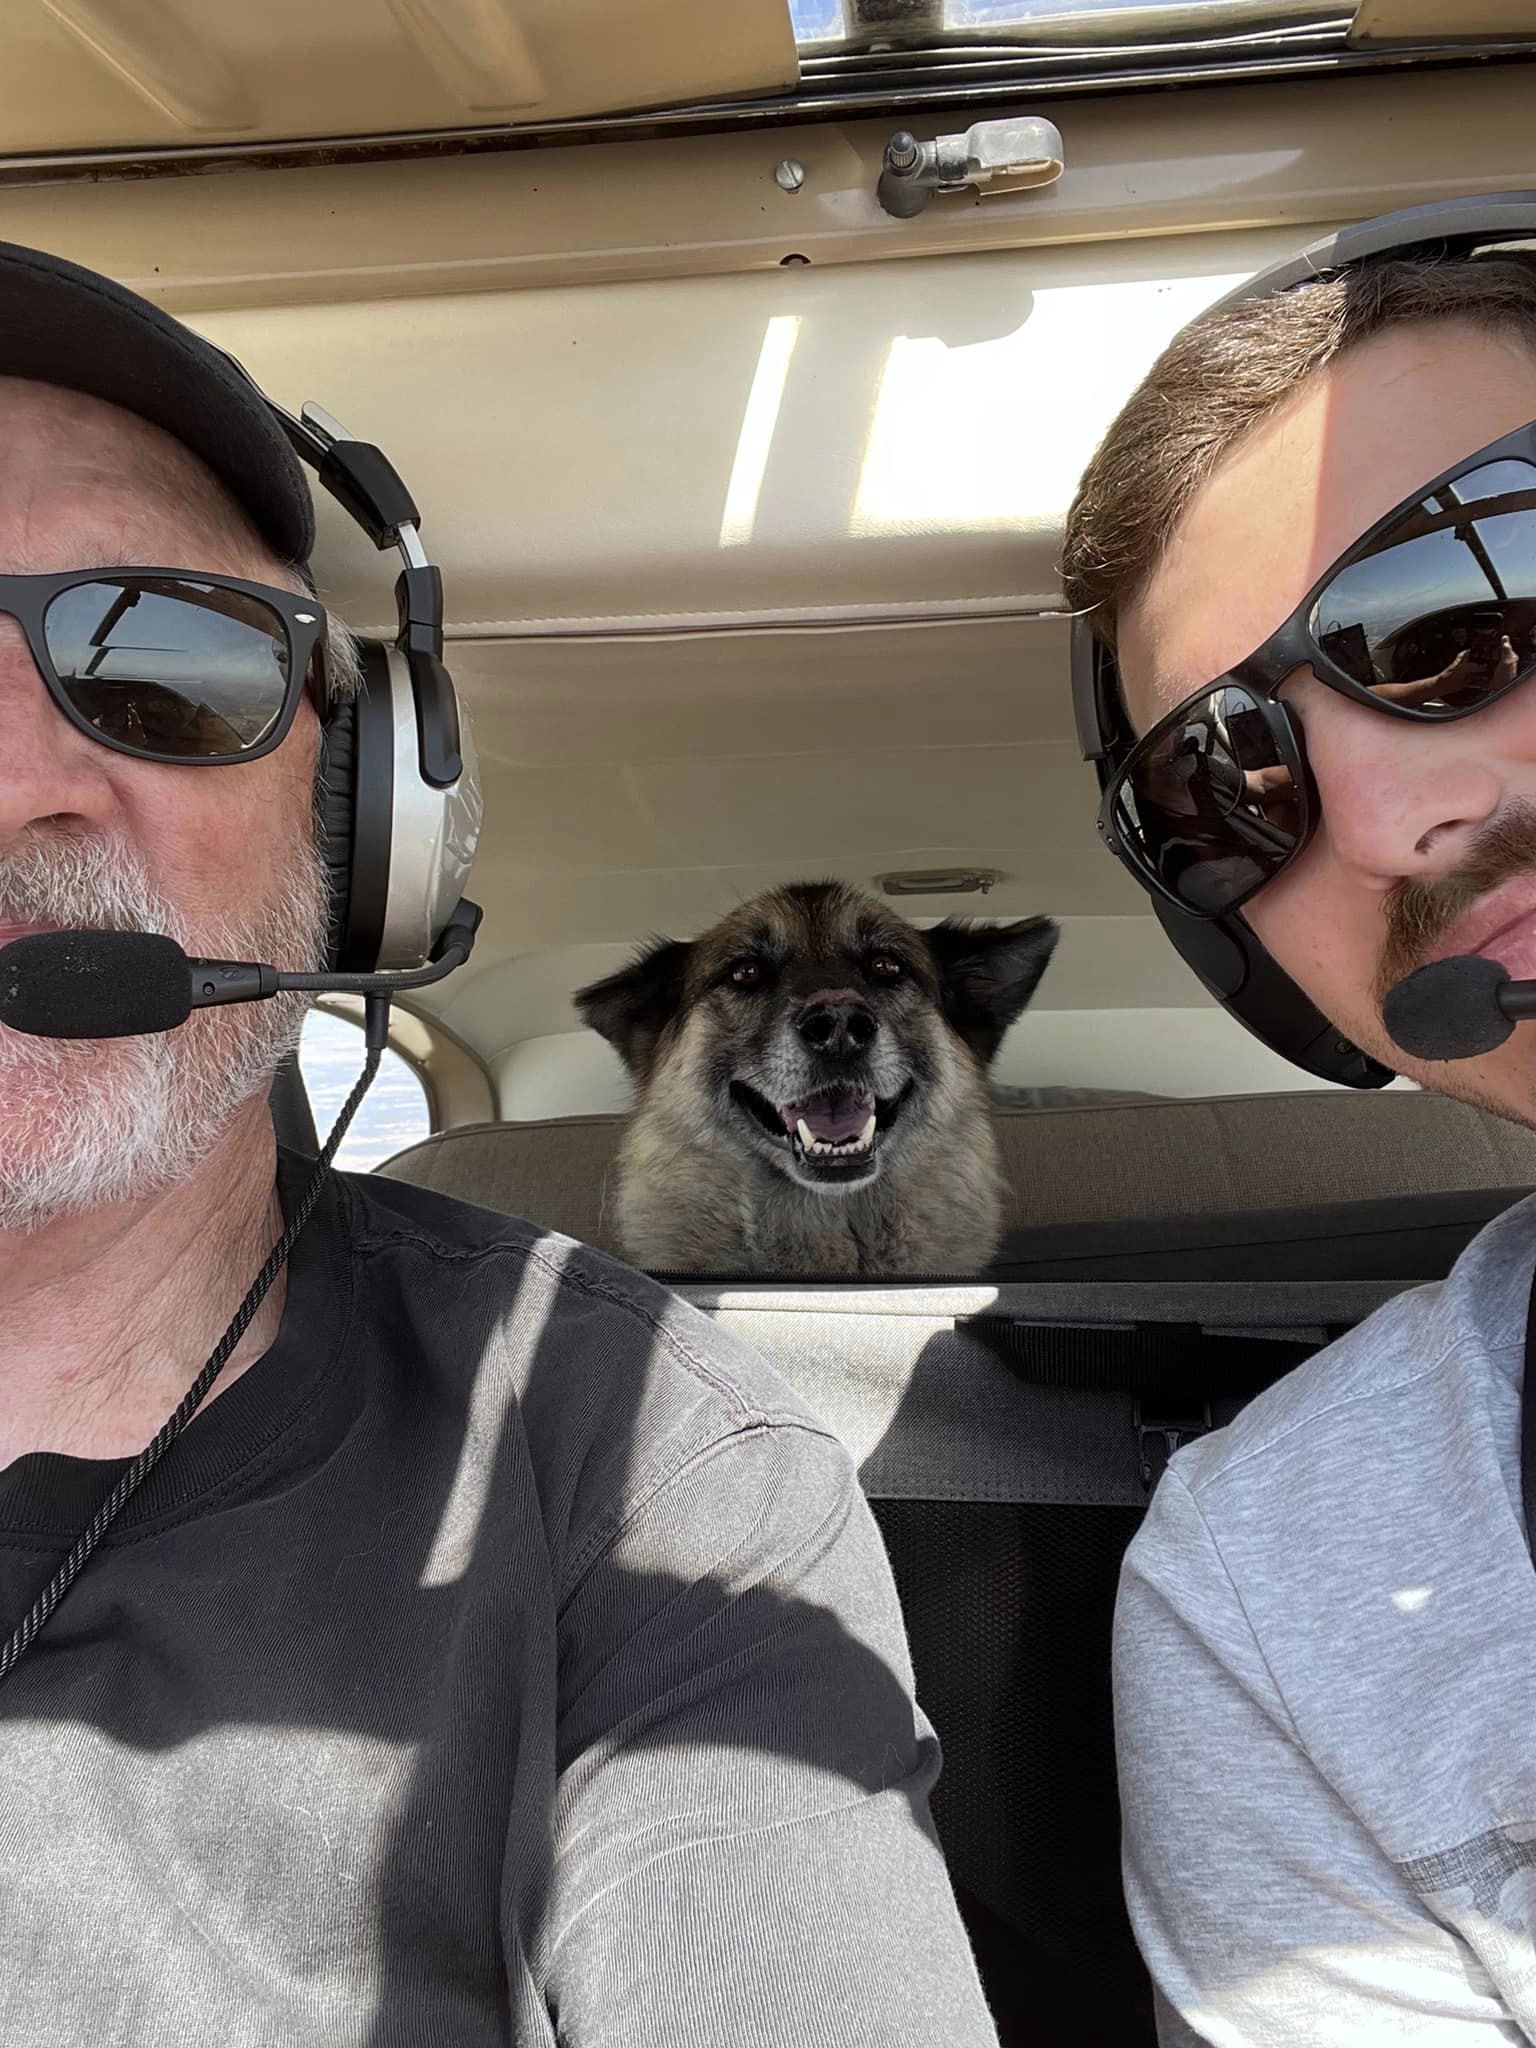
(834, 1134)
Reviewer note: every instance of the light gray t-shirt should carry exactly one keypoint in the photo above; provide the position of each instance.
(1325, 1684)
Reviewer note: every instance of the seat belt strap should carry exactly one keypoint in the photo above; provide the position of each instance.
(1171, 1372)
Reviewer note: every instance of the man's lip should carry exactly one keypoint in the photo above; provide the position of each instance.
(9, 932)
(1503, 919)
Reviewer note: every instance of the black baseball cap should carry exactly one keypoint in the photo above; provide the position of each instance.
(63, 325)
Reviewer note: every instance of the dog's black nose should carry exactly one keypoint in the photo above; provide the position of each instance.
(838, 1027)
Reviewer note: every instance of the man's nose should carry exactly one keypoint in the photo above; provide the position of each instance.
(837, 1023)
(49, 772)
(1404, 800)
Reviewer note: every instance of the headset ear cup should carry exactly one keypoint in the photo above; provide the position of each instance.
(336, 813)
(396, 847)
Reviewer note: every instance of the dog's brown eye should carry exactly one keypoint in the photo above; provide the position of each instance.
(886, 967)
(746, 974)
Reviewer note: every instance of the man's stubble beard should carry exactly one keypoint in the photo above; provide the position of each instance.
(87, 1123)
(1418, 914)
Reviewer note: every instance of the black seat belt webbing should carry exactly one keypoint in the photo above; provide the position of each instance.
(1171, 1372)
(1179, 1360)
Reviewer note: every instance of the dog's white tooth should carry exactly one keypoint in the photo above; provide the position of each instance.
(807, 1136)
(867, 1135)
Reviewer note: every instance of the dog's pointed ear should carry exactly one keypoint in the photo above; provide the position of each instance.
(987, 974)
(632, 1008)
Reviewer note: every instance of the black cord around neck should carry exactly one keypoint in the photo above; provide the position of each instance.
(27, 1629)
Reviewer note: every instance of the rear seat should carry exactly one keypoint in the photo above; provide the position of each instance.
(1092, 1187)
(1163, 1261)
(1007, 1459)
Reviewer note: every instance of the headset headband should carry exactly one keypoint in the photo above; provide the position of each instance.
(1223, 951)
(368, 487)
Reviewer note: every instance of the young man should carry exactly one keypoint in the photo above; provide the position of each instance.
(1326, 1638)
(501, 1655)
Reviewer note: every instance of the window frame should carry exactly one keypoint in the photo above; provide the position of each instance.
(454, 1082)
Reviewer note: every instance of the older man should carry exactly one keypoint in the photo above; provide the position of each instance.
(1311, 541)
(500, 1655)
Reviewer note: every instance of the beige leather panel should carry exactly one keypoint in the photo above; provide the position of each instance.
(102, 74)
(646, 784)
(1283, 153)
(1422, 21)
(828, 442)
(1070, 1167)
(873, 441)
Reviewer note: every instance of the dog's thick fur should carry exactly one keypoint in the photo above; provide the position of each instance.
(774, 1034)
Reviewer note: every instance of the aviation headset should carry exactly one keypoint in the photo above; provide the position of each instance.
(399, 796)
(1223, 951)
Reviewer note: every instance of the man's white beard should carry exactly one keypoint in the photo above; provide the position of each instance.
(84, 1123)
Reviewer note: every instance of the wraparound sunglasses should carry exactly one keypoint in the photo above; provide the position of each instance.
(168, 665)
(1429, 616)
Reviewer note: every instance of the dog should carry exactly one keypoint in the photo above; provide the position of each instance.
(811, 1088)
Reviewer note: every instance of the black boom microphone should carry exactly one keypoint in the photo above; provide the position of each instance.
(1453, 1009)
(90, 984)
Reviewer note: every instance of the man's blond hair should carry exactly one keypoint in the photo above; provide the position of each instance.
(1222, 375)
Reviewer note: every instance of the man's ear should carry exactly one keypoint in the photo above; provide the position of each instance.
(987, 973)
(632, 1008)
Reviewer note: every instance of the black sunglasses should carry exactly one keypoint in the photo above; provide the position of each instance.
(168, 665)
(1430, 616)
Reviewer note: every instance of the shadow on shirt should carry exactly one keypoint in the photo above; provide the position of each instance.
(506, 1652)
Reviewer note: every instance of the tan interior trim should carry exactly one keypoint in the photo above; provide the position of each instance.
(1269, 155)
(115, 74)
(658, 455)
(1427, 21)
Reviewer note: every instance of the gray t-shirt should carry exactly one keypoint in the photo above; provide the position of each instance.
(507, 1656)
(1325, 1688)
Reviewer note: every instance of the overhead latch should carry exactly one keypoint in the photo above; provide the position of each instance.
(1012, 155)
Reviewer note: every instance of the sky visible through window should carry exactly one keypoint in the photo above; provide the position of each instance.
(826, 21)
(394, 1112)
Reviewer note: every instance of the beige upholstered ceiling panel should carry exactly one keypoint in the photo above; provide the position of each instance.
(657, 781)
(1422, 21)
(816, 442)
(102, 74)
(892, 440)
(1278, 154)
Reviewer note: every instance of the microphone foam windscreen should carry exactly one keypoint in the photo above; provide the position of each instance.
(1449, 1010)
(94, 984)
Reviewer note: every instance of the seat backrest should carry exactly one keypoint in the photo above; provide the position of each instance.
(1072, 1170)
(998, 1441)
